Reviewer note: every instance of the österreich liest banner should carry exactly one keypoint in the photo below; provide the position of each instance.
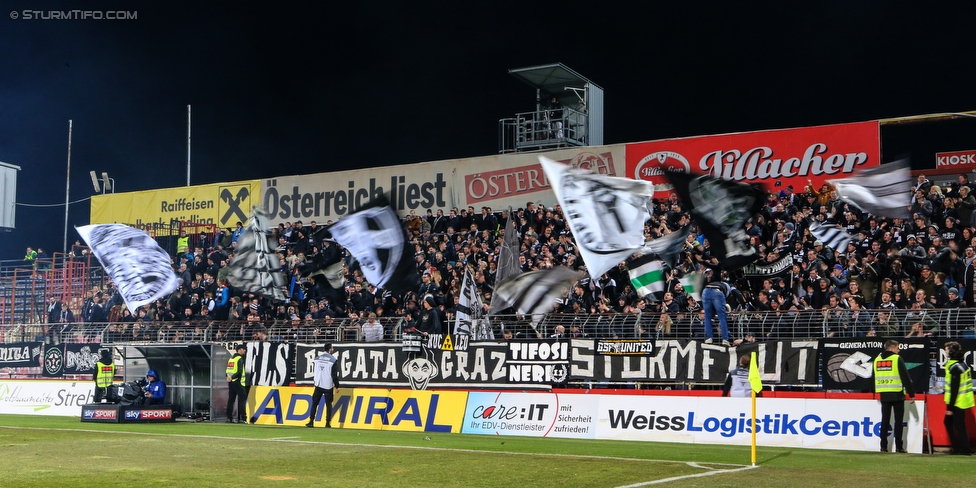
(775, 159)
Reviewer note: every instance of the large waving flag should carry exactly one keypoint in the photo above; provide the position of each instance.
(469, 318)
(138, 266)
(255, 268)
(647, 276)
(375, 237)
(667, 247)
(885, 190)
(508, 264)
(535, 293)
(721, 209)
(605, 213)
(833, 237)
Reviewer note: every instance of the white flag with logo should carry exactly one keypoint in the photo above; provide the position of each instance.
(375, 237)
(139, 267)
(605, 213)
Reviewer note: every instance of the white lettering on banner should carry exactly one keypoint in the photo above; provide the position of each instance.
(955, 158)
(15, 354)
(758, 163)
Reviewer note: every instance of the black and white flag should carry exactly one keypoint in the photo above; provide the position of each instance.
(375, 237)
(256, 268)
(508, 263)
(605, 213)
(721, 209)
(832, 236)
(469, 318)
(885, 191)
(667, 247)
(138, 266)
(535, 293)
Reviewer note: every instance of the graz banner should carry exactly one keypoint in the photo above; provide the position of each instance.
(781, 362)
(774, 159)
(70, 359)
(529, 364)
(848, 364)
(20, 354)
(269, 363)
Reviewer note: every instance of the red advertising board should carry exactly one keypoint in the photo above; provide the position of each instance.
(961, 161)
(774, 159)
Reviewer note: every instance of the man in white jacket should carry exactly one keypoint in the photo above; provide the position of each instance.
(326, 381)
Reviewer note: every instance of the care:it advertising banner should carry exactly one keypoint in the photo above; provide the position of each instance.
(782, 422)
(361, 408)
(531, 414)
(774, 159)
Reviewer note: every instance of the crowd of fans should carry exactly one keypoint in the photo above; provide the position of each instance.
(880, 284)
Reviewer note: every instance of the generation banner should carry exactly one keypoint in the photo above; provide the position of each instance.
(222, 204)
(362, 408)
(45, 397)
(497, 181)
(848, 364)
(782, 362)
(808, 423)
(775, 159)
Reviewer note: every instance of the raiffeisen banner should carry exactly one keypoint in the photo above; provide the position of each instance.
(491, 181)
(222, 204)
(775, 159)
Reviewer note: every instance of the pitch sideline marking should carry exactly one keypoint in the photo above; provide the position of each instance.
(688, 476)
(423, 448)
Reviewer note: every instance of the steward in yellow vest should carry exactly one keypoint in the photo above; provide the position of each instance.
(958, 397)
(891, 383)
(104, 374)
(236, 383)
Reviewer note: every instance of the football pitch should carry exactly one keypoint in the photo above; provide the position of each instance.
(62, 451)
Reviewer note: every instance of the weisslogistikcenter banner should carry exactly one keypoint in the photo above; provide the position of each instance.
(775, 159)
(782, 422)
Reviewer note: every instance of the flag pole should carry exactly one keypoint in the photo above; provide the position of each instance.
(755, 384)
(753, 428)
(67, 191)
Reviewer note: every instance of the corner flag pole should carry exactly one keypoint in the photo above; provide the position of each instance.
(756, 383)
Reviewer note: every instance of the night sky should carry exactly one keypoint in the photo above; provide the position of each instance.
(279, 90)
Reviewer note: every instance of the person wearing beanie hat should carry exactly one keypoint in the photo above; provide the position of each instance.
(430, 317)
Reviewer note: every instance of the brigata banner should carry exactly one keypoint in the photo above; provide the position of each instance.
(848, 364)
(781, 422)
(361, 408)
(531, 414)
(774, 159)
(781, 362)
(45, 397)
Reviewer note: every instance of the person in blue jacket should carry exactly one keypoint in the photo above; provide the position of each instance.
(155, 390)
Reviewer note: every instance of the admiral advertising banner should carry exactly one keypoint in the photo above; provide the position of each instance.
(848, 364)
(222, 204)
(497, 181)
(362, 408)
(774, 159)
(781, 422)
(20, 354)
(70, 359)
(781, 362)
(531, 414)
(45, 397)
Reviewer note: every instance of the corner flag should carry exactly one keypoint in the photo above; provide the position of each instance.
(754, 374)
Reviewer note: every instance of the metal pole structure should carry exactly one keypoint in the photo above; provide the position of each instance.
(187, 145)
(67, 191)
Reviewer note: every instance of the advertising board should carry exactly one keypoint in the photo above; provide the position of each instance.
(45, 397)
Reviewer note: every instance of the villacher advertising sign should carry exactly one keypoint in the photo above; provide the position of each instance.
(775, 159)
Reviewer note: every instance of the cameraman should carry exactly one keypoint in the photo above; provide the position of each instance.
(155, 391)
